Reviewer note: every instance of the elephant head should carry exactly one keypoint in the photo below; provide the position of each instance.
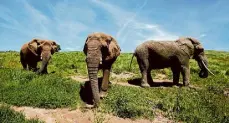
(99, 48)
(55, 46)
(196, 51)
(43, 49)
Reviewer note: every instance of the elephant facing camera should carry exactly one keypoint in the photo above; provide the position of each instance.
(101, 52)
(38, 50)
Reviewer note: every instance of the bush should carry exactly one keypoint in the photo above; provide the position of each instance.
(200, 106)
(126, 103)
(124, 109)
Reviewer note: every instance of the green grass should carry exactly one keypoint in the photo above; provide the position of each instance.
(205, 102)
(183, 104)
(7, 115)
(19, 87)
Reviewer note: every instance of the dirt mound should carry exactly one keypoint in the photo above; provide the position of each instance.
(76, 116)
(160, 76)
(124, 75)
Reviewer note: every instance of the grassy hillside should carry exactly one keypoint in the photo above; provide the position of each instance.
(205, 102)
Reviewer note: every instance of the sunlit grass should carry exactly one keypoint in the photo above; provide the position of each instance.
(206, 102)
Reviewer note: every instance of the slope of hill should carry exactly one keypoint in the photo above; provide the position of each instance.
(205, 101)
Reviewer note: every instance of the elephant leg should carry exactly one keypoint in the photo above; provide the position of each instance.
(30, 68)
(23, 63)
(176, 75)
(149, 77)
(105, 82)
(45, 71)
(186, 74)
(144, 66)
(33, 66)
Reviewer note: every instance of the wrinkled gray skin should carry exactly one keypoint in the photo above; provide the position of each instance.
(38, 50)
(174, 54)
(101, 51)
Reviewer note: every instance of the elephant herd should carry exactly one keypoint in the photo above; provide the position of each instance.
(102, 50)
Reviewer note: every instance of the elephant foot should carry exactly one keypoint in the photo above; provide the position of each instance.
(176, 83)
(38, 72)
(145, 85)
(103, 94)
(186, 84)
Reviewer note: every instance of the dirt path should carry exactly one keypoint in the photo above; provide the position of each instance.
(82, 79)
(76, 116)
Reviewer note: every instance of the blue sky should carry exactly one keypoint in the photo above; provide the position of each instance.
(131, 22)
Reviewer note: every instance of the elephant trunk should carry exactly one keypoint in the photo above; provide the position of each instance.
(92, 65)
(203, 71)
(131, 61)
(203, 64)
(45, 57)
(207, 68)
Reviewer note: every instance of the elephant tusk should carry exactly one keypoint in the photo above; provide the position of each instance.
(207, 68)
(101, 61)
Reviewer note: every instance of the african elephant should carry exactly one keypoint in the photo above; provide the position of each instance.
(101, 51)
(35, 51)
(174, 54)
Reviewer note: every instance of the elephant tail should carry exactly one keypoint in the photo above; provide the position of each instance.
(131, 61)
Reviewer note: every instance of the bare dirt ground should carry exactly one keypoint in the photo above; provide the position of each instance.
(159, 79)
(65, 115)
(123, 75)
(76, 116)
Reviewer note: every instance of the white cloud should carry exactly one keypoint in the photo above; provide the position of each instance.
(132, 29)
(72, 48)
(202, 35)
(64, 25)
(68, 22)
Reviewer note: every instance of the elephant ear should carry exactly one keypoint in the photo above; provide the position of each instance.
(33, 46)
(85, 46)
(197, 45)
(186, 45)
(113, 48)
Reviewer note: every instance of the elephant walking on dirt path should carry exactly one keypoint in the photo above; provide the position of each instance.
(101, 51)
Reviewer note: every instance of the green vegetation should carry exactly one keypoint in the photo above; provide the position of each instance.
(7, 115)
(20, 88)
(203, 102)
